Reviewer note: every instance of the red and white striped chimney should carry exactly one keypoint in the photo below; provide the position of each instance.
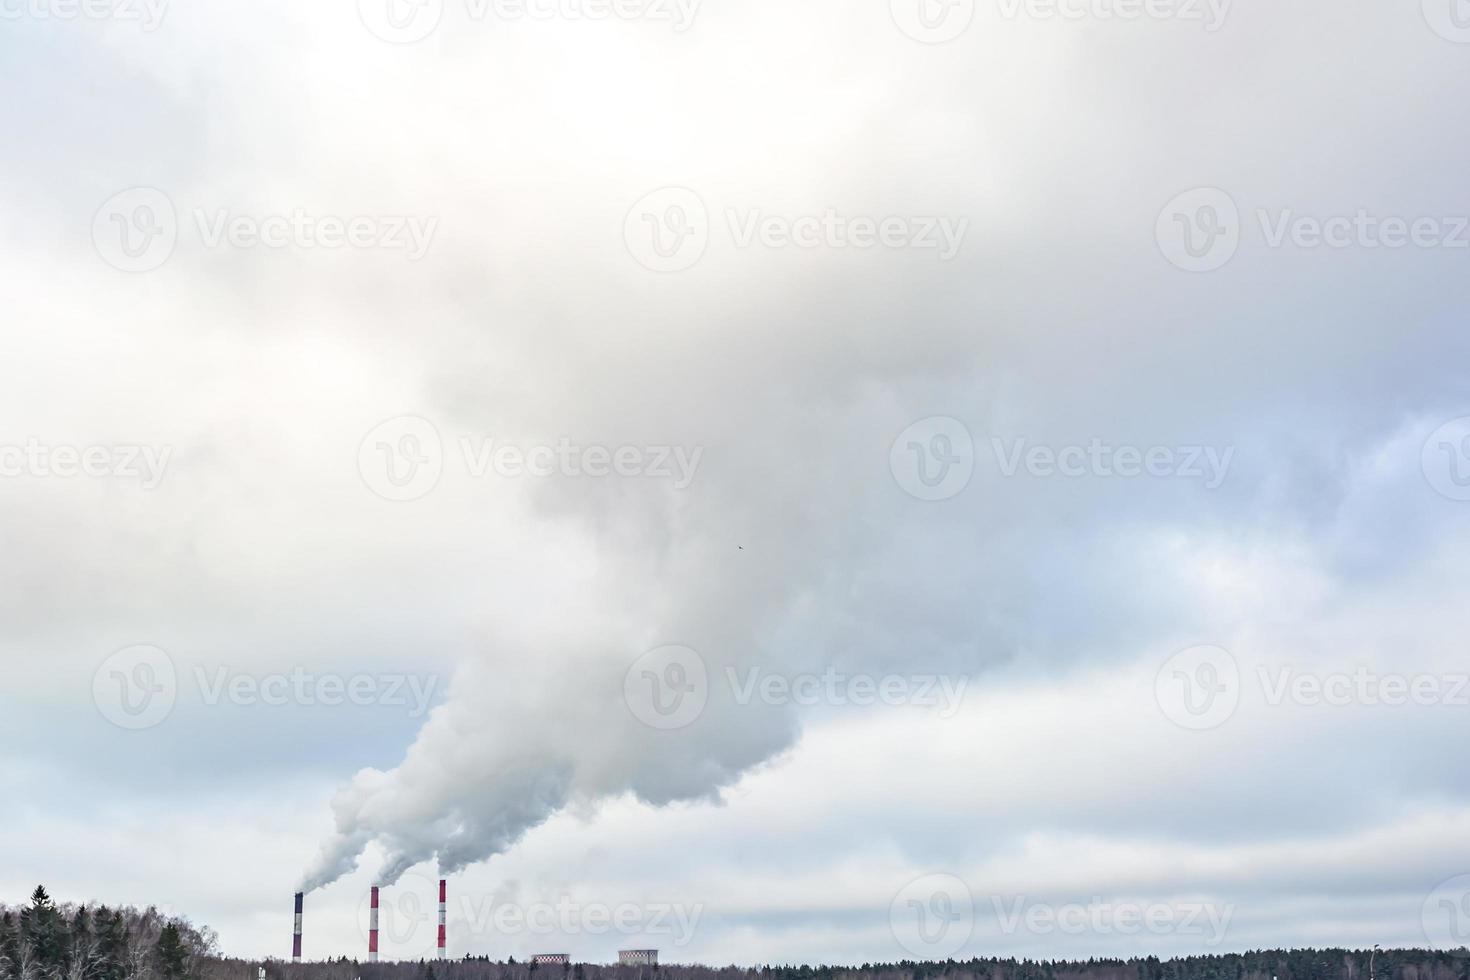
(373, 927)
(296, 931)
(443, 906)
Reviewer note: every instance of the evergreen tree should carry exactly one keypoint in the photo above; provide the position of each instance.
(171, 955)
(41, 927)
(112, 944)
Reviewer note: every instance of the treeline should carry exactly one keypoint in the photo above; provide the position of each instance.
(46, 941)
(1279, 964)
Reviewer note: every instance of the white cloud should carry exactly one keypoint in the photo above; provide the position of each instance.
(794, 549)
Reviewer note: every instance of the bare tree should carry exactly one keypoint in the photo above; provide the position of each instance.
(82, 963)
(27, 964)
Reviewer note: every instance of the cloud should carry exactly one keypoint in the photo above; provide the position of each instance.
(795, 549)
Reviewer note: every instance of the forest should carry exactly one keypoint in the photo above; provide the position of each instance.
(47, 941)
(44, 940)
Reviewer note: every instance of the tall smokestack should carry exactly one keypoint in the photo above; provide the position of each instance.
(443, 905)
(373, 927)
(296, 930)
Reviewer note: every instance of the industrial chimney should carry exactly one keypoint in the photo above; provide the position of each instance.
(373, 927)
(296, 930)
(443, 893)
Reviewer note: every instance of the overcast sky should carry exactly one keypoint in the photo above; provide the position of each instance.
(777, 480)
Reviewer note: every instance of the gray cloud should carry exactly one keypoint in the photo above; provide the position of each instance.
(795, 548)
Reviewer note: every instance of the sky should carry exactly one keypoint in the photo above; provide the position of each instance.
(770, 481)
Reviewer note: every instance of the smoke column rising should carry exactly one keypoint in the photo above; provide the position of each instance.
(514, 744)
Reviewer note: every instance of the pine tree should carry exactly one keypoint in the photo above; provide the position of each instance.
(112, 944)
(171, 955)
(40, 926)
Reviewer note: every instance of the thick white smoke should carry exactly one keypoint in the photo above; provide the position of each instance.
(500, 758)
(524, 735)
